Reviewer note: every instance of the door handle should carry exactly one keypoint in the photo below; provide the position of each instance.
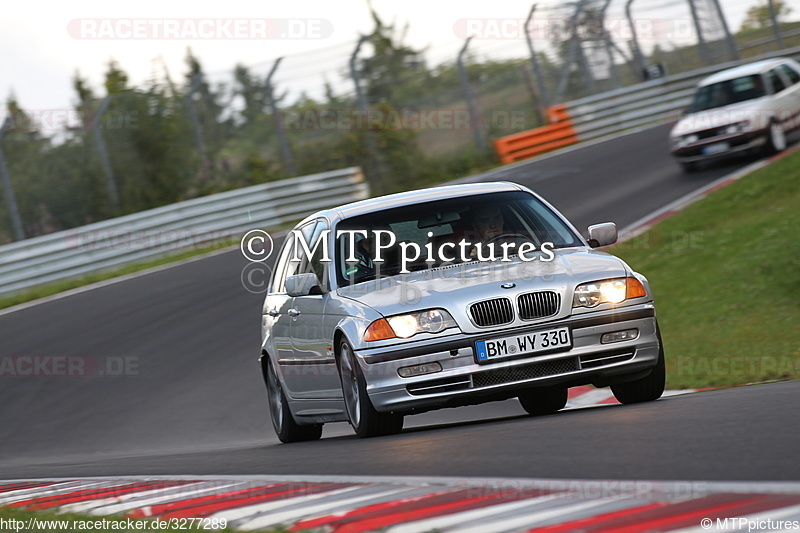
(293, 312)
(273, 312)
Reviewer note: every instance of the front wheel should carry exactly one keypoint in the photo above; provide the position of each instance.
(285, 427)
(776, 139)
(366, 421)
(543, 401)
(648, 388)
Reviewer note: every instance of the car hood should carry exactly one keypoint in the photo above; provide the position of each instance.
(721, 116)
(455, 287)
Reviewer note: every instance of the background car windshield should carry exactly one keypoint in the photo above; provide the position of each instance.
(728, 92)
(515, 213)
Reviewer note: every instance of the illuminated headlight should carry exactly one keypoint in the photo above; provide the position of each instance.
(405, 326)
(738, 127)
(610, 291)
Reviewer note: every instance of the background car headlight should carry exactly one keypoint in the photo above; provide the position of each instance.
(408, 325)
(611, 291)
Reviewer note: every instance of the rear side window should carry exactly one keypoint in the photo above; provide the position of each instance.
(790, 73)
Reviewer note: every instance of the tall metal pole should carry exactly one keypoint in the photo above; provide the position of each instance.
(373, 156)
(198, 130)
(288, 160)
(701, 40)
(480, 141)
(105, 162)
(609, 50)
(8, 191)
(773, 15)
(638, 59)
(566, 68)
(544, 99)
(728, 37)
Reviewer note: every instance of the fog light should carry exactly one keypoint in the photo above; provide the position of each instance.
(617, 336)
(419, 370)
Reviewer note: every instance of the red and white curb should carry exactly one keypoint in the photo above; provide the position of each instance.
(586, 396)
(408, 505)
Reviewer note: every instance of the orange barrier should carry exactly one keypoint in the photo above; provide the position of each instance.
(525, 144)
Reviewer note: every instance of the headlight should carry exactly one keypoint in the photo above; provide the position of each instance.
(738, 127)
(405, 326)
(684, 140)
(610, 291)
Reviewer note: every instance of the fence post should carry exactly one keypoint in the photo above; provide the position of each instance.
(198, 130)
(638, 60)
(8, 191)
(728, 37)
(701, 40)
(286, 151)
(105, 162)
(373, 156)
(474, 119)
(773, 15)
(544, 99)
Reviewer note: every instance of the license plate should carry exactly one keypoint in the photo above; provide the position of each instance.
(717, 148)
(526, 343)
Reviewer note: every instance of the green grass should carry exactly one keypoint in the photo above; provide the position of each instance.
(726, 277)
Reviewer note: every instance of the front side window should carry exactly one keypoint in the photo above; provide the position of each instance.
(791, 74)
(777, 82)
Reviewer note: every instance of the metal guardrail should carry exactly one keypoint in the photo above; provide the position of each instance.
(615, 111)
(173, 228)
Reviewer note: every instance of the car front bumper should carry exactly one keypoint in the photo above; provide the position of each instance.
(737, 145)
(462, 381)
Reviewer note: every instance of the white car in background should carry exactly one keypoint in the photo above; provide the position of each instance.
(745, 109)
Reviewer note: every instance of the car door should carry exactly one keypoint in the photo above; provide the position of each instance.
(782, 98)
(791, 95)
(314, 373)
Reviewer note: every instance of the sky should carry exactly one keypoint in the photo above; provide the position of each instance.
(43, 44)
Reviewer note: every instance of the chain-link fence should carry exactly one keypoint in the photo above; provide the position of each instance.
(408, 115)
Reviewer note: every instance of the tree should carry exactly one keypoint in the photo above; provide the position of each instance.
(758, 15)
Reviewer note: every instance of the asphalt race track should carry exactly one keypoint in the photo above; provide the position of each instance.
(169, 383)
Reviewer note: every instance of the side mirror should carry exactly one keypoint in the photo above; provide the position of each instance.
(303, 285)
(602, 234)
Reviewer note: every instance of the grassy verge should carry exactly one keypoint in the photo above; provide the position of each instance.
(726, 277)
(61, 286)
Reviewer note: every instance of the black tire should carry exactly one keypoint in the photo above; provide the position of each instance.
(648, 388)
(689, 166)
(776, 139)
(285, 427)
(543, 401)
(366, 421)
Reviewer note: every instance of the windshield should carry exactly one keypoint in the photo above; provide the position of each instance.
(427, 235)
(728, 92)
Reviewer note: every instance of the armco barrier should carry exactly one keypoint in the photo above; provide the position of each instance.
(595, 116)
(141, 236)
